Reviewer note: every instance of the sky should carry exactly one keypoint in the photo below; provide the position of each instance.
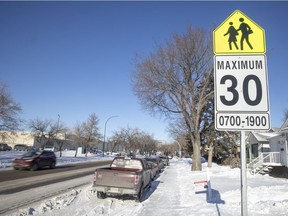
(172, 193)
(73, 58)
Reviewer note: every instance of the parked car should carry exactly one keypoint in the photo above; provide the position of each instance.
(154, 169)
(5, 147)
(165, 160)
(20, 147)
(31, 148)
(125, 176)
(34, 160)
(49, 148)
(157, 161)
(130, 154)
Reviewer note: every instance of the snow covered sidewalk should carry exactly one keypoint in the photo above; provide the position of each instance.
(174, 192)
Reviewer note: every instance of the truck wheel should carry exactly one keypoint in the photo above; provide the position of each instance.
(140, 194)
(150, 184)
(101, 195)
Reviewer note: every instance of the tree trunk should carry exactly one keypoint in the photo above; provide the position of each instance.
(196, 160)
(76, 151)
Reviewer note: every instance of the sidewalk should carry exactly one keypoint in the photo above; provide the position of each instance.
(175, 192)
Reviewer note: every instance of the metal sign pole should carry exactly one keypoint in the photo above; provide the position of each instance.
(243, 176)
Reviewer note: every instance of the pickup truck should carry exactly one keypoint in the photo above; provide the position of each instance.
(125, 176)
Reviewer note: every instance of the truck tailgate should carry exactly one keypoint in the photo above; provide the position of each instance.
(115, 178)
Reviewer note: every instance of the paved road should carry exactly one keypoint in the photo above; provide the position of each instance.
(15, 184)
(12, 181)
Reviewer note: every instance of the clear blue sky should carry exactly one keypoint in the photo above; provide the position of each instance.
(75, 58)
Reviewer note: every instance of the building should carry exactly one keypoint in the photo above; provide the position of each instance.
(26, 138)
(268, 149)
(18, 137)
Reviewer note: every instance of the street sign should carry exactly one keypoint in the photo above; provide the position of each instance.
(241, 92)
(238, 34)
(240, 82)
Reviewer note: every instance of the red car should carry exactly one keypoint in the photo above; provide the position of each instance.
(34, 160)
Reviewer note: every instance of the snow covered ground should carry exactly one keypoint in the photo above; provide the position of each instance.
(172, 193)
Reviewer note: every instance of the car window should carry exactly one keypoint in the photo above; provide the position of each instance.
(51, 154)
(48, 153)
(31, 154)
(145, 164)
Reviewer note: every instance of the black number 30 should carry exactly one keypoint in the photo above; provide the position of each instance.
(235, 93)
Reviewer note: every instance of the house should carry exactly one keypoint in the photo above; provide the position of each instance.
(267, 149)
(258, 143)
(279, 144)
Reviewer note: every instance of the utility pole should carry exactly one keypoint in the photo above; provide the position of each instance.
(105, 132)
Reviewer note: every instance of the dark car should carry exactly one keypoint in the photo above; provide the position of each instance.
(157, 162)
(34, 160)
(154, 169)
(20, 147)
(5, 147)
(165, 160)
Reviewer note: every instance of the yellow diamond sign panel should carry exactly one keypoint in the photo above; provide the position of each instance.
(238, 34)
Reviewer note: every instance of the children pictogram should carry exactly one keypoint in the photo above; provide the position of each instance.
(246, 30)
(232, 36)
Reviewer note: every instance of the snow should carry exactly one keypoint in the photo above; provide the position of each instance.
(172, 193)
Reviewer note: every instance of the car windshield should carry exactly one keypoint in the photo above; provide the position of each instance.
(31, 154)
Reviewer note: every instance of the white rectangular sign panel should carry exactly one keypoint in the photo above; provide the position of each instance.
(238, 121)
(241, 83)
(241, 90)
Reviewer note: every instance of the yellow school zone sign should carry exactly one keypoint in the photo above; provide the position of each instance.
(238, 34)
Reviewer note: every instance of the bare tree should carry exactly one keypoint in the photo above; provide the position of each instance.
(285, 115)
(177, 128)
(147, 144)
(134, 140)
(78, 136)
(127, 137)
(87, 134)
(178, 79)
(46, 131)
(9, 113)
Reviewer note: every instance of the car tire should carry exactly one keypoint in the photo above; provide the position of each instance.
(150, 184)
(53, 165)
(140, 194)
(34, 167)
(101, 195)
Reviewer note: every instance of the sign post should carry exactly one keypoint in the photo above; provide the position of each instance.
(240, 82)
